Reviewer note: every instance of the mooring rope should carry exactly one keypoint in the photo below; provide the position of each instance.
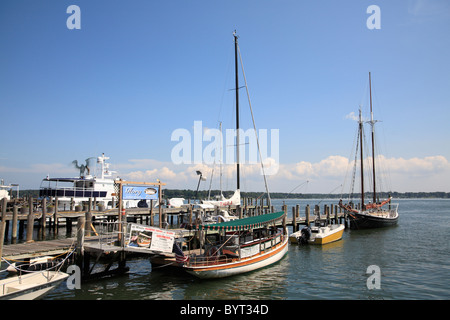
(60, 264)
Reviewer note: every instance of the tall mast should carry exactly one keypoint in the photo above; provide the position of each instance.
(372, 122)
(221, 157)
(237, 105)
(362, 165)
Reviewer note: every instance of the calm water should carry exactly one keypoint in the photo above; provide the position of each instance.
(413, 257)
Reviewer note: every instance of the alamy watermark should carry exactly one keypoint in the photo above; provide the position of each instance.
(74, 280)
(209, 146)
(374, 280)
(374, 20)
(74, 20)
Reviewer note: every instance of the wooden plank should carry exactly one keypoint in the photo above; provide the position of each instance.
(38, 248)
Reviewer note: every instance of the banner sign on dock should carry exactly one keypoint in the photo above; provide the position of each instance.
(139, 193)
(152, 238)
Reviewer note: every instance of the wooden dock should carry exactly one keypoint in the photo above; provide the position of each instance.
(22, 251)
(25, 250)
(89, 244)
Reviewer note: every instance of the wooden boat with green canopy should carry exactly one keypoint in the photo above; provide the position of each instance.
(238, 246)
(241, 245)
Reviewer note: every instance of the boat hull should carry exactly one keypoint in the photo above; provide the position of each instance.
(240, 266)
(293, 238)
(335, 234)
(31, 286)
(332, 236)
(368, 221)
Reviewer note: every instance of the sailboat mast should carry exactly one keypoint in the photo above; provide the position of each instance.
(237, 105)
(373, 142)
(362, 165)
(221, 157)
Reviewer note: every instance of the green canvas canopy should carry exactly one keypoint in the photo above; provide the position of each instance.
(245, 223)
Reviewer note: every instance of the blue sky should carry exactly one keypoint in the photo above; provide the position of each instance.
(138, 70)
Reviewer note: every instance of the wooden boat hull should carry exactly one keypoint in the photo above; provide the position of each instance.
(241, 266)
(31, 286)
(369, 221)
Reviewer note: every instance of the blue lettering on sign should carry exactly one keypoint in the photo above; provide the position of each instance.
(138, 193)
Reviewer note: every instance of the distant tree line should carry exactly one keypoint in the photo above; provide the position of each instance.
(203, 194)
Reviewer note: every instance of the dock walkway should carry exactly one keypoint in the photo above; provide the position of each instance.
(20, 251)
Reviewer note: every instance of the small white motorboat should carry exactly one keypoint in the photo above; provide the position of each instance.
(318, 234)
(30, 286)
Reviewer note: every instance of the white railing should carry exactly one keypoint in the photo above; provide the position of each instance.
(109, 231)
(70, 192)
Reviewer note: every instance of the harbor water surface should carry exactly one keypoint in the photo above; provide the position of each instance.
(413, 258)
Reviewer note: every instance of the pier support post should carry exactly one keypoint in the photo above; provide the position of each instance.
(6, 229)
(21, 228)
(307, 213)
(89, 219)
(3, 226)
(80, 241)
(30, 221)
(43, 221)
(68, 226)
(327, 213)
(294, 222)
(14, 224)
(160, 213)
(152, 219)
(44, 213)
(336, 218)
(55, 218)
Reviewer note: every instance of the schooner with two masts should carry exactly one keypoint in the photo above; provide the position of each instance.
(373, 214)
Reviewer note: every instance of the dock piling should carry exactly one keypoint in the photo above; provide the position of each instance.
(307, 213)
(294, 223)
(43, 221)
(14, 224)
(80, 241)
(30, 221)
(3, 226)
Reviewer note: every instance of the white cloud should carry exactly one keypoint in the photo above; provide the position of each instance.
(428, 8)
(426, 11)
(53, 168)
(415, 174)
(352, 116)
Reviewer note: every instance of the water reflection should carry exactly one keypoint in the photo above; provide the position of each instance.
(267, 283)
(413, 258)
